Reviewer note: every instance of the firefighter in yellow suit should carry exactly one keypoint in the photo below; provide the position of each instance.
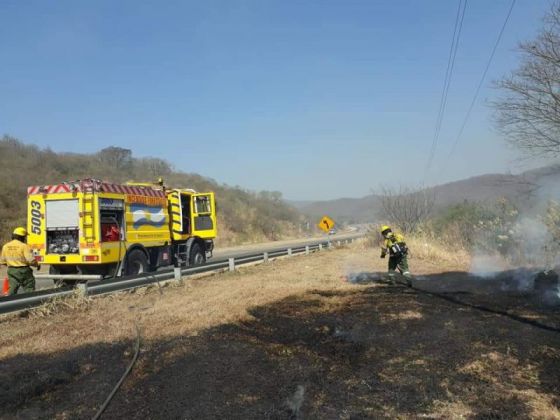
(17, 255)
(395, 246)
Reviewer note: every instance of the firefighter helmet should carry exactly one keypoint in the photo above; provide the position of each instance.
(20, 231)
(385, 229)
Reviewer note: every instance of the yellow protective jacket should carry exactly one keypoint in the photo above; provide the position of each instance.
(17, 254)
(395, 238)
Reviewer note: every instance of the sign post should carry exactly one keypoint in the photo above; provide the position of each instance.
(326, 224)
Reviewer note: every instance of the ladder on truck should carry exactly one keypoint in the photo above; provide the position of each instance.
(88, 214)
(182, 255)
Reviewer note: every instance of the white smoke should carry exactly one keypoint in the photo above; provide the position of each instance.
(295, 402)
(522, 280)
(356, 271)
(487, 265)
(525, 248)
(527, 243)
(534, 242)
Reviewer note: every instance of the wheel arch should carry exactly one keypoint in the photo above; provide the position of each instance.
(196, 240)
(134, 247)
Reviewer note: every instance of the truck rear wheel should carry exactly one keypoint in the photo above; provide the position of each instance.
(198, 256)
(136, 263)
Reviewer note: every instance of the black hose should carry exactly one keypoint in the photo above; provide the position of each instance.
(483, 308)
(123, 377)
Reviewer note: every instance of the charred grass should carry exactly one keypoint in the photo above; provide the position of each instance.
(287, 340)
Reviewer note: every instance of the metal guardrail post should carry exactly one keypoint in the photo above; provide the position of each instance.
(320, 247)
(306, 249)
(231, 264)
(177, 273)
(265, 257)
(330, 245)
(289, 252)
(82, 289)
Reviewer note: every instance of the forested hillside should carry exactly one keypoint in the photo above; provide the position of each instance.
(243, 216)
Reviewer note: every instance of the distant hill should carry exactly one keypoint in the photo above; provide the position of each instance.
(243, 216)
(524, 189)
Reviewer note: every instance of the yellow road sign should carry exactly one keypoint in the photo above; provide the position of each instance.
(326, 223)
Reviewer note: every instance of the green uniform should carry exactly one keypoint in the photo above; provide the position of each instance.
(20, 277)
(396, 261)
(18, 257)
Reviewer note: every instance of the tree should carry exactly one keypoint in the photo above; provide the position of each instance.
(406, 207)
(116, 157)
(153, 167)
(528, 113)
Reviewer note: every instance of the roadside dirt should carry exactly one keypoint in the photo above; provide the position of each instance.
(291, 339)
(219, 252)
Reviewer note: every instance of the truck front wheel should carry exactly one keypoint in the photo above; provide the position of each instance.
(136, 263)
(197, 257)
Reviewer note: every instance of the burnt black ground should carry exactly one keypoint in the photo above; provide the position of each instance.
(380, 351)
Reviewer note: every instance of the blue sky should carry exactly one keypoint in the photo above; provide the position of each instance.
(317, 99)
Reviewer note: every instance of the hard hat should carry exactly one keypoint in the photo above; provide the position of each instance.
(385, 229)
(20, 231)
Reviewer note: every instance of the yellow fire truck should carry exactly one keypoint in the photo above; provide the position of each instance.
(95, 227)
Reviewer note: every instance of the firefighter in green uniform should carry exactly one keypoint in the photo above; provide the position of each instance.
(395, 246)
(18, 257)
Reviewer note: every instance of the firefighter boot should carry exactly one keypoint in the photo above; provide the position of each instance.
(407, 278)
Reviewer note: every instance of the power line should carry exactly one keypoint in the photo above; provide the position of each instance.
(450, 70)
(482, 78)
(447, 80)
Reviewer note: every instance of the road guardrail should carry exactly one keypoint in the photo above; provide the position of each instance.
(99, 286)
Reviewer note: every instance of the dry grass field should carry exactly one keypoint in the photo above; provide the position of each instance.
(290, 339)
